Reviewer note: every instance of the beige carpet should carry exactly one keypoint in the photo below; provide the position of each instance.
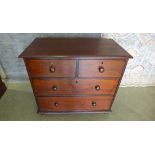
(133, 103)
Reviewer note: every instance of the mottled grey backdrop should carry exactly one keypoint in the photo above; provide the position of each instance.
(140, 70)
(12, 44)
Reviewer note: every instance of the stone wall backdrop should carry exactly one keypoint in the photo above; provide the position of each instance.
(12, 44)
(141, 69)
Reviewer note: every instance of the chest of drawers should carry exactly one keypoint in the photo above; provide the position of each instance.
(74, 75)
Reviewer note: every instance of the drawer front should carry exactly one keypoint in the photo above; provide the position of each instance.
(62, 104)
(101, 68)
(44, 87)
(51, 68)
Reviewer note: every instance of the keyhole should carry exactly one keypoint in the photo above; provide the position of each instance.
(76, 81)
(102, 62)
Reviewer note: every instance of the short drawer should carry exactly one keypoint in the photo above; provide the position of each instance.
(51, 68)
(62, 104)
(101, 68)
(44, 87)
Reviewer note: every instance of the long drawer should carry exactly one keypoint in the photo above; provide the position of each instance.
(66, 104)
(55, 86)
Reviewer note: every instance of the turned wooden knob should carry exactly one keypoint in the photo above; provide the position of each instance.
(93, 104)
(101, 69)
(97, 87)
(56, 104)
(52, 69)
(54, 88)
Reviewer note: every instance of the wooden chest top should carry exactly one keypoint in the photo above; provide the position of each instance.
(74, 47)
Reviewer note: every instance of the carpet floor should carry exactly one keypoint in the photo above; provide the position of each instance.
(131, 104)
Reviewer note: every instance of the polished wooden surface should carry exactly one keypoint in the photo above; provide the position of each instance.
(47, 87)
(43, 68)
(92, 68)
(74, 47)
(62, 104)
(75, 75)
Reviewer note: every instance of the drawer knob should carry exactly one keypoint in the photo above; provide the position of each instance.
(101, 69)
(56, 104)
(54, 88)
(93, 104)
(97, 87)
(52, 69)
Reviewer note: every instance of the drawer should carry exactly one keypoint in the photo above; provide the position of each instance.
(51, 68)
(44, 87)
(62, 104)
(101, 68)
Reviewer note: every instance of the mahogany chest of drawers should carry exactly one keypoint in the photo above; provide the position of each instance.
(73, 74)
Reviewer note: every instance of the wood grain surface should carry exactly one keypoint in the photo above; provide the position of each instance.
(47, 87)
(41, 68)
(62, 104)
(91, 68)
(74, 47)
